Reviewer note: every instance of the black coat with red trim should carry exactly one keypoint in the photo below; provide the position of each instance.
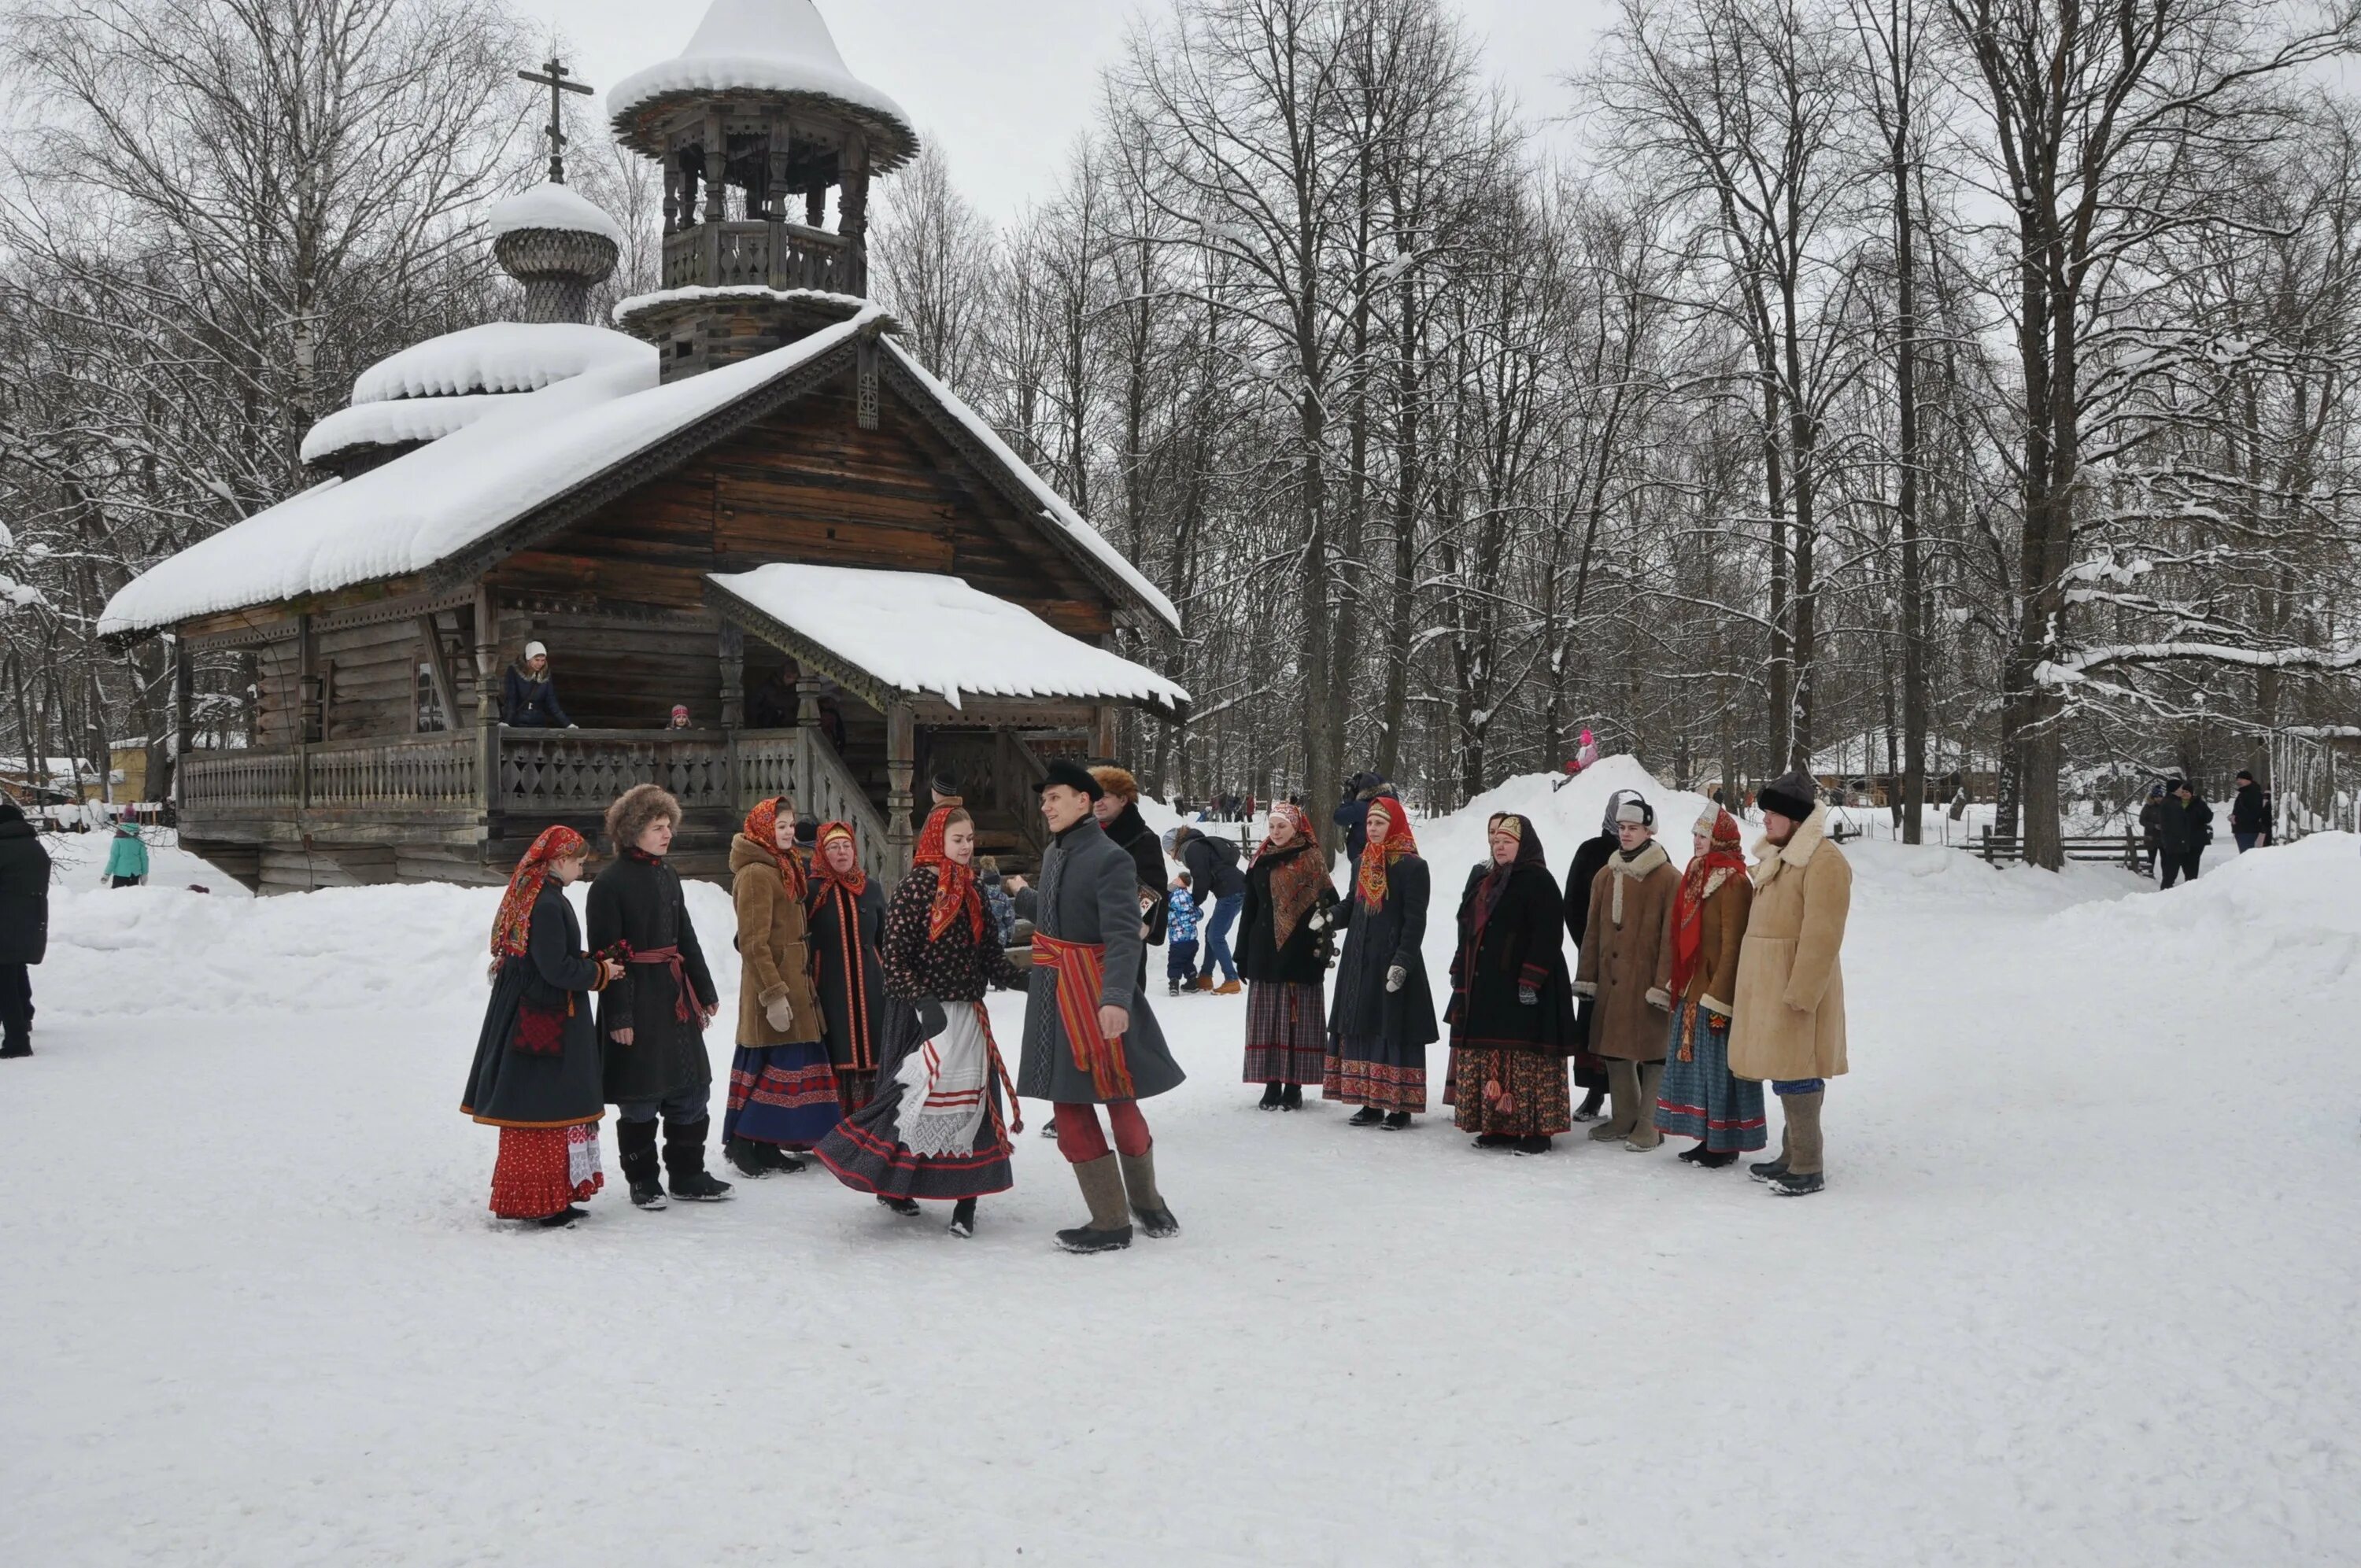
(1522, 948)
(540, 1072)
(848, 971)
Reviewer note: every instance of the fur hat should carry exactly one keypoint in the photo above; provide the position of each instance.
(1635, 809)
(1073, 775)
(1116, 782)
(1792, 793)
(633, 809)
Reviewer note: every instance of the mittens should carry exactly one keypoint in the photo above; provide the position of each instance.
(780, 1014)
(1528, 997)
(1396, 978)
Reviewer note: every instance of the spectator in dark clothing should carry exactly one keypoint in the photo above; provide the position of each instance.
(1021, 894)
(1353, 812)
(24, 924)
(2187, 826)
(529, 695)
(1220, 889)
(2250, 814)
(2151, 821)
(1117, 809)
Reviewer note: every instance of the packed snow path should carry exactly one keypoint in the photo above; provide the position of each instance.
(2081, 1290)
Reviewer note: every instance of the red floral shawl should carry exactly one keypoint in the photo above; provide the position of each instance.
(1706, 872)
(1377, 858)
(955, 886)
(762, 827)
(1297, 873)
(825, 876)
(513, 924)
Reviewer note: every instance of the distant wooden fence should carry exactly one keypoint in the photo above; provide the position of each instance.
(2124, 849)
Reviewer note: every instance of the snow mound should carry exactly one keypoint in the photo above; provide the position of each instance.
(549, 205)
(397, 423)
(2296, 903)
(922, 631)
(499, 356)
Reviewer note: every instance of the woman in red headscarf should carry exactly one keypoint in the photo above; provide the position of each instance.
(1284, 959)
(536, 1072)
(848, 921)
(1512, 1013)
(1383, 1018)
(1699, 1098)
(935, 1128)
(782, 1089)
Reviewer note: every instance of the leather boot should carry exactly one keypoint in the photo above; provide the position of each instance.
(683, 1157)
(635, 1151)
(1101, 1184)
(1146, 1203)
(1623, 1094)
(1644, 1135)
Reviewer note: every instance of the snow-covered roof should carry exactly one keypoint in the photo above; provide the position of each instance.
(429, 505)
(402, 423)
(1054, 507)
(922, 631)
(767, 46)
(499, 356)
(697, 293)
(549, 205)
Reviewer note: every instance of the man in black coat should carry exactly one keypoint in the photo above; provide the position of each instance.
(1221, 891)
(2250, 814)
(1117, 807)
(24, 924)
(528, 694)
(2183, 829)
(2151, 821)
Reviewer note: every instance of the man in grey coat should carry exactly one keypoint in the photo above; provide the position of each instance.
(1090, 1038)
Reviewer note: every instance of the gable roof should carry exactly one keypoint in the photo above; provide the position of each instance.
(542, 460)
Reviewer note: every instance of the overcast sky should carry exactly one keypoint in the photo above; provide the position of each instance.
(1005, 85)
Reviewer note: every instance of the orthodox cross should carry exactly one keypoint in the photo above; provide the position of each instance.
(554, 79)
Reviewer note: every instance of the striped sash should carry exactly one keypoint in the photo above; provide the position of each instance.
(1080, 971)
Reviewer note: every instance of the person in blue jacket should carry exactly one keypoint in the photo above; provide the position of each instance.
(528, 694)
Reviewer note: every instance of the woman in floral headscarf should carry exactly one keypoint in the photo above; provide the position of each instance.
(1511, 1014)
(782, 1084)
(1383, 1018)
(848, 921)
(535, 1076)
(935, 1128)
(1699, 1098)
(1284, 959)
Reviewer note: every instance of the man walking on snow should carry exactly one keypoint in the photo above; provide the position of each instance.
(24, 924)
(2184, 829)
(1090, 1039)
(1787, 1023)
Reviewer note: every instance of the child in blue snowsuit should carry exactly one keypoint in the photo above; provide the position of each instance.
(1180, 936)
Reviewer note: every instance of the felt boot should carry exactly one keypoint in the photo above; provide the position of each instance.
(684, 1158)
(1146, 1203)
(1644, 1135)
(636, 1150)
(1102, 1183)
(1623, 1089)
(1803, 1173)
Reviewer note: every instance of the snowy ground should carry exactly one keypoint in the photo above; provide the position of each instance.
(2082, 1289)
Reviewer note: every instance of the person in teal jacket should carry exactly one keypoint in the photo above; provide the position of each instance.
(126, 858)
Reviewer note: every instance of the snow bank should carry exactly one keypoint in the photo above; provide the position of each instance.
(500, 356)
(761, 45)
(921, 631)
(549, 205)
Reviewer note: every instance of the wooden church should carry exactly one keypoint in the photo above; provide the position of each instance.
(748, 498)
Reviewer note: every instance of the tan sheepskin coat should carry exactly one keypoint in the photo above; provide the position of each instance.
(774, 952)
(1789, 1018)
(1629, 902)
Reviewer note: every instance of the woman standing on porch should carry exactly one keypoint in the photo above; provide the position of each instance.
(1283, 956)
(535, 1076)
(935, 1128)
(782, 1087)
(1384, 1014)
(848, 921)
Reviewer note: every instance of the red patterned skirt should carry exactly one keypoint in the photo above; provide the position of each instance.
(1287, 1032)
(542, 1170)
(1366, 1071)
(1533, 1101)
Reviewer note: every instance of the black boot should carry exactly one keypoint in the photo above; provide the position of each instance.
(964, 1217)
(1768, 1169)
(684, 1158)
(1273, 1096)
(1292, 1100)
(635, 1147)
(1708, 1160)
(1398, 1122)
(1794, 1184)
(1537, 1144)
(906, 1207)
(563, 1218)
(1589, 1109)
(1691, 1155)
(1493, 1140)
(1367, 1116)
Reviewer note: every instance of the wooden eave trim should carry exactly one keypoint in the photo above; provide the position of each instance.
(865, 685)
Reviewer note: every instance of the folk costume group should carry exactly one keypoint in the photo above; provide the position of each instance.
(863, 1041)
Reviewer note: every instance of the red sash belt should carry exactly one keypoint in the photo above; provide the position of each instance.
(670, 959)
(1081, 971)
(1016, 1122)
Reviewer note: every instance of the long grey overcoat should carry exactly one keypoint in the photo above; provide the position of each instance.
(1090, 892)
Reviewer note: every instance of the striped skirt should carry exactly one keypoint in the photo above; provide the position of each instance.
(1699, 1099)
(781, 1094)
(1364, 1070)
(1287, 1033)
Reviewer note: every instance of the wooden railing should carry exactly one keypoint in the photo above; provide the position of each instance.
(244, 780)
(802, 765)
(568, 771)
(429, 771)
(779, 256)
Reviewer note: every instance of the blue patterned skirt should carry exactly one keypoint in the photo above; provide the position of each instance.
(1699, 1099)
(781, 1094)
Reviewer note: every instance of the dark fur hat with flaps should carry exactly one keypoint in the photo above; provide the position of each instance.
(1793, 796)
(635, 809)
(1073, 775)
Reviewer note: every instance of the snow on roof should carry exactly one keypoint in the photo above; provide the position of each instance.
(428, 504)
(1053, 505)
(763, 46)
(499, 356)
(626, 309)
(402, 423)
(549, 205)
(921, 631)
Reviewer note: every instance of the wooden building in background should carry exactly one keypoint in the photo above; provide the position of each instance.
(637, 500)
